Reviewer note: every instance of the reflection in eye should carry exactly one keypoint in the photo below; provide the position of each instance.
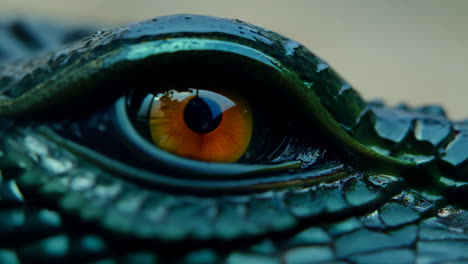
(201, 125)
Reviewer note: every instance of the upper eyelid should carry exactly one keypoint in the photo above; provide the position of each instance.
(72, 79)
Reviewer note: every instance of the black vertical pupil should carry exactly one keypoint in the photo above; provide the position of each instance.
(202, 115)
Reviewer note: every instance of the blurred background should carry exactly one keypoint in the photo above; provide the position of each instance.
(399, 50)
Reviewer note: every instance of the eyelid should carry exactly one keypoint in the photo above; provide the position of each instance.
(73, 80)
(284, 179)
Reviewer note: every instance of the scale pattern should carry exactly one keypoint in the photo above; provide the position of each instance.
(408, 229)
(423, 135)
(56, 208)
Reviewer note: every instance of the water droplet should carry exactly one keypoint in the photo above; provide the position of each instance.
(309, 84)
(290, 47)
(447, 211)
(443, 212)
(322, 66)
(344, 88)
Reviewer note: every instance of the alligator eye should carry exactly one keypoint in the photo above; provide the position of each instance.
(200, 124)
(198, 112)
(217, 120)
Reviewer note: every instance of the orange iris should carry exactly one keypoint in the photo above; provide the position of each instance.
(201, 125)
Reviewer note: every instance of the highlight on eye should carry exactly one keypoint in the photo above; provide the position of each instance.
(201, 124)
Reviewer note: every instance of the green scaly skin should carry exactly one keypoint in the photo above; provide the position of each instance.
(397, 193)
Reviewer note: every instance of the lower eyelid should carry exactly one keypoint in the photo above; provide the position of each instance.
(268, 181)
(160, 159)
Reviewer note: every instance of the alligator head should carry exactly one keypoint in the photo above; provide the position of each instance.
(195, 139)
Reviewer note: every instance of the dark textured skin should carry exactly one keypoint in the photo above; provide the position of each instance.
(56, 207)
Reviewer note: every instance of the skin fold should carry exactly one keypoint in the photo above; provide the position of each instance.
(351, 181)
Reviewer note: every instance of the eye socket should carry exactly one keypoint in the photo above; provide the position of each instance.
(284, 148)
(200, 124)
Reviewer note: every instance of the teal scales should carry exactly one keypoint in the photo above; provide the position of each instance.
(391, 185)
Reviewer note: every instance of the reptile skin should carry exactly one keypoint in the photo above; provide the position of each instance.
(390, 185)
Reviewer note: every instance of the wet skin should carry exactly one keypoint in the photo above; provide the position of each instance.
(331, 178)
